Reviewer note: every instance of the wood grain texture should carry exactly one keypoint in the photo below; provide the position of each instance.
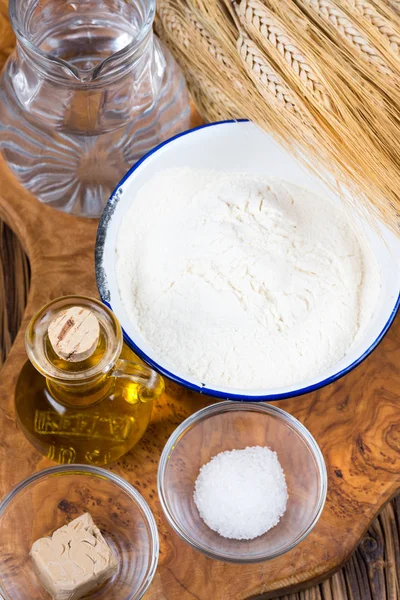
(355, 581)
(7, 38)
(14, 286)
(356, 422)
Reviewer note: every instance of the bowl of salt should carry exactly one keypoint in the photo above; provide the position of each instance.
(242, 482)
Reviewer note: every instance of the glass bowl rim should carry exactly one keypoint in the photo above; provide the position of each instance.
(230, 406)
(81, 469)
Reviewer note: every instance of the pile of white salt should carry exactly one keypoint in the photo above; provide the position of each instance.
(242, 494)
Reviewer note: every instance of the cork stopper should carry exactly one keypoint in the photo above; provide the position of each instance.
(74, 334)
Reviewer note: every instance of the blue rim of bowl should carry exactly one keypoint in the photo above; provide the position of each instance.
(79, 469)
(203, 389)
(228, 406)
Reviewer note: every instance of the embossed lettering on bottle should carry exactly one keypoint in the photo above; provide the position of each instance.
(80, 398)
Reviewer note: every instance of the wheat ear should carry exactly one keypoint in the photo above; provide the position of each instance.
(210, 43)
(357, 141)
(264, 75)
(200, 53)
(383, 25)
(394, 5)
(263, 26)
(330, 12)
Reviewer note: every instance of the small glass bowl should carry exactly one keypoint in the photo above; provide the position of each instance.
(235, 425)
(51, 498)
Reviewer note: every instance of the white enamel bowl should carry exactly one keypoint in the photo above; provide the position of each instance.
(237, 146)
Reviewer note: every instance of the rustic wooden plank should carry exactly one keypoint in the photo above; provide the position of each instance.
(396, 536)
(391, 547)
(356, 574)
(5, 333)
(338, 583)
(326, 590)
(14, 287)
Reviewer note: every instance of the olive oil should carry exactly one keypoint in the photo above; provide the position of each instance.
(92, 411)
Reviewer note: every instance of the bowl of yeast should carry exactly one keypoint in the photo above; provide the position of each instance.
(237, 273)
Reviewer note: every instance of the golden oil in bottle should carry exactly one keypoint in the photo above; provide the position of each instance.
(89, 411)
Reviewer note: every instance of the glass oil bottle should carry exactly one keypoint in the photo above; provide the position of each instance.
(92, 410)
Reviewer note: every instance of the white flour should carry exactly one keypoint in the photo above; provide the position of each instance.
(243, 281)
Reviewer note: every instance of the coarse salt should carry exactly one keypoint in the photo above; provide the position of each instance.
(242, 494)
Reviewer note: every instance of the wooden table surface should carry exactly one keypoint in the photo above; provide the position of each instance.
(372, 572)
(356, 422)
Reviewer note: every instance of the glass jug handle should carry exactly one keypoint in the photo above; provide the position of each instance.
(151, 384)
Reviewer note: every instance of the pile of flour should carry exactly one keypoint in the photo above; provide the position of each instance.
(241, 280)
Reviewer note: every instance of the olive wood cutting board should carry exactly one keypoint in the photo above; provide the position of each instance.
(356, 422)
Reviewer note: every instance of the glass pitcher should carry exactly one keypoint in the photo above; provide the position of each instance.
(88, 91)
(88, 411)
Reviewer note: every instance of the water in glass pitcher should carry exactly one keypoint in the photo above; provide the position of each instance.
(89, 90)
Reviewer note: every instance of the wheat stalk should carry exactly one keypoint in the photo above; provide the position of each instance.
(172, 24)
(182, 25)
(328, 10)
(209, 42)
(210, 99)
(187, 30)
(384, 26)
(264, 75)
(282, 65)
(394, 4)
(262, 23)
(207, 89)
